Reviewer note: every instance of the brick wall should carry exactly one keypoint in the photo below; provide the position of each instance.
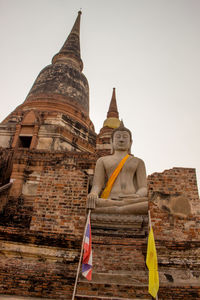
(6, 156)
(176, 180)
(177, 238)
(41, 237)
(61, 200)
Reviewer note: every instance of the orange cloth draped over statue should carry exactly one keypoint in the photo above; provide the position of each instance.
(111, 180)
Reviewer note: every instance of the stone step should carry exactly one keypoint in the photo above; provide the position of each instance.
(15, 297)
(79, 297)
(112, 291)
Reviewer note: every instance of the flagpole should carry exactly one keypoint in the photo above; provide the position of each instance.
(79, 264)
(149, 219)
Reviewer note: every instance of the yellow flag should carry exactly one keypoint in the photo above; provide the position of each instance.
(111, 180)
(152, 264)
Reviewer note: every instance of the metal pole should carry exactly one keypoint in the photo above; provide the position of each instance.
(149, 219)
(79, 264)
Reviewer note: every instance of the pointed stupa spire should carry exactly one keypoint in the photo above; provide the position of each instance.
(112, 120)
(113, 111)
(70, 51)
(63, 80)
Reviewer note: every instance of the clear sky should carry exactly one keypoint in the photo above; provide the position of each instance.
(149, 50)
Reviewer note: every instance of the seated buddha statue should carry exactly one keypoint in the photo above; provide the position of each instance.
(122, 177)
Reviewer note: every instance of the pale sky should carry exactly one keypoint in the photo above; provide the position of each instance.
(147, 49)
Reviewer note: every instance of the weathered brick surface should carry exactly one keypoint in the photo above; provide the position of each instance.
(103, 146)
(119, 253)
(177, 238)
(63, 80)
(16, 212)
(54, 175)
(60, 203)
(34, 278)
(41, 234)
(6, 156)
(37, 265)
(37, 225)
(176, 180)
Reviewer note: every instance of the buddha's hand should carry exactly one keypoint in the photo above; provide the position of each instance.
(91, 200)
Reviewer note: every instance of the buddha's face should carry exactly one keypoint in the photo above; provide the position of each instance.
(121, 141)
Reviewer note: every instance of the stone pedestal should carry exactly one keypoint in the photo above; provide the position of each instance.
(119, 251)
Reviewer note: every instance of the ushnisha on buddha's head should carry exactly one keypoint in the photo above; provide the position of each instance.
(121, 139)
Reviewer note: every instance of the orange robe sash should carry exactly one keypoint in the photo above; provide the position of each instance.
(113, 177)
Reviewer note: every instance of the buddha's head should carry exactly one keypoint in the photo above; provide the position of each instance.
(121, 138)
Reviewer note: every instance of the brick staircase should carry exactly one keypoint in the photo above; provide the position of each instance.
(111, 291)
(119, 250)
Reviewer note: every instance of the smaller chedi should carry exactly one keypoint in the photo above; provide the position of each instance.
(122, 178)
